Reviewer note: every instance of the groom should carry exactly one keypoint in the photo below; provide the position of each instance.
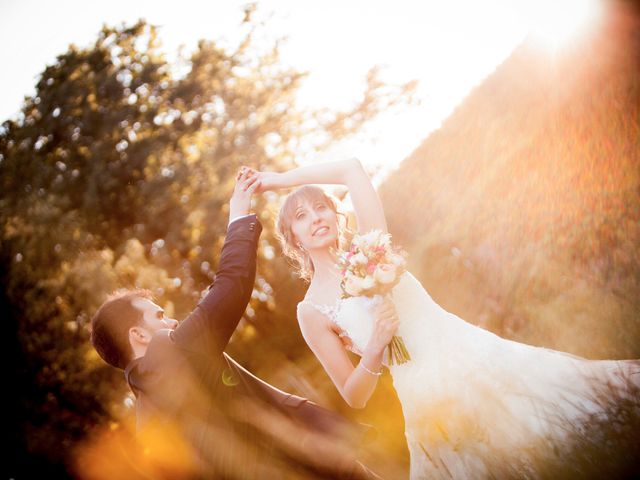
(223, 421)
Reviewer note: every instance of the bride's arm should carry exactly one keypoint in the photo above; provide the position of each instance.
(355, 384)
(366, 203)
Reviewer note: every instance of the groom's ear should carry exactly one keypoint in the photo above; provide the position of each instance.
(139, 334)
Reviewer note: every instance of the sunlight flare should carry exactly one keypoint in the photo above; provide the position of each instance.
(556, 23)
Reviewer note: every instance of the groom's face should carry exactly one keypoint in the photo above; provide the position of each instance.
(153, 316)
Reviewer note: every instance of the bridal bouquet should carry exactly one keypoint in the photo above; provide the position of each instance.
(372, 266)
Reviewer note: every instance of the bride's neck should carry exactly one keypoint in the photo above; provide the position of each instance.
(325, 267)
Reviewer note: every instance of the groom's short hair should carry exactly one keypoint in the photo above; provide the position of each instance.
(111, 323)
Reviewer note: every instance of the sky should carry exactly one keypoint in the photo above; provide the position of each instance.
(449, 46)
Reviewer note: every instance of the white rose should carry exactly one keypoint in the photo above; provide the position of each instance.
(371, 237)
(368, 282)
(353, 285)
(358, 258)
(385, 273)
(397, 260)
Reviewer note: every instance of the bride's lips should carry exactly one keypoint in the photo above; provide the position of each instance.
(322, 229)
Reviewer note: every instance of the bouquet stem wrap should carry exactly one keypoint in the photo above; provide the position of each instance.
(398, 353)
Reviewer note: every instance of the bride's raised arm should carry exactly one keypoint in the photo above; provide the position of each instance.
(366, 203)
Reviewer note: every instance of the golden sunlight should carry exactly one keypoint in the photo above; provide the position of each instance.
(555, 23)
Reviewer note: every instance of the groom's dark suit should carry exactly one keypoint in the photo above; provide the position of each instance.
(237, 425)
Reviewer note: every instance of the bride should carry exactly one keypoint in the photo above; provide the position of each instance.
(475, 405)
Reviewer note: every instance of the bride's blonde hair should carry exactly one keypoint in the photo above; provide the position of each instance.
(290, 247)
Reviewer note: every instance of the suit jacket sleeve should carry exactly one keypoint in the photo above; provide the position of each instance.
(209, 327)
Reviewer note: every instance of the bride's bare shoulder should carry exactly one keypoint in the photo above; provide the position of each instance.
(308, 311)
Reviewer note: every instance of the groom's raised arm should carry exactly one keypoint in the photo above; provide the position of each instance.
(210, 326)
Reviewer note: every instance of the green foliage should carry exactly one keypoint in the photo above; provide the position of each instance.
(118, 174)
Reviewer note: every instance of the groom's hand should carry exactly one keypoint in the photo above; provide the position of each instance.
(246, 184)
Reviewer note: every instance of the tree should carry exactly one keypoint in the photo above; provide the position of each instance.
(118, 173)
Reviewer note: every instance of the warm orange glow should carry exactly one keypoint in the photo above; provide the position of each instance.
(160, 452)
(555, 23)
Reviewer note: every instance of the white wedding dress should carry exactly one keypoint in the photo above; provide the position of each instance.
(472, 400)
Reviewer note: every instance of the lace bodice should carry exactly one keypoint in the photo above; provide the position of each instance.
(354, 319)
(332, 312)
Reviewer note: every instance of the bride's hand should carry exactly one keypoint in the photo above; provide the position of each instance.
(268, 180)
(386, 324)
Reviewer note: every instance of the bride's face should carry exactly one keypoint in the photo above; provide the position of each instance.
(315, 225)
